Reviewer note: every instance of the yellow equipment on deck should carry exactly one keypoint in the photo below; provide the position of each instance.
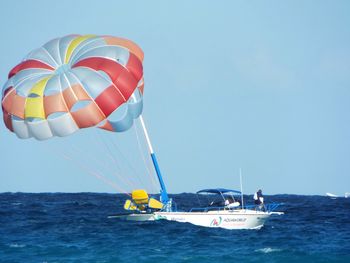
(139, 197)
(155, 204)
(129, 205)
(141, 201)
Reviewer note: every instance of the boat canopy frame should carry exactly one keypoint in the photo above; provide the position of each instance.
(223, 192)
(219, 191)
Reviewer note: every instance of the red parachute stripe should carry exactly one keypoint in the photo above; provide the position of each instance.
(124, 82)
(110, 67)
(134, 65)
(115, 71)
(31, 63)
(109, 100)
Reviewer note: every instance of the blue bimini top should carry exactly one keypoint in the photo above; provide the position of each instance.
(218, 191)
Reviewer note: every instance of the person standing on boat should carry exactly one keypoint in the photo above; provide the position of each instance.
(259, 199)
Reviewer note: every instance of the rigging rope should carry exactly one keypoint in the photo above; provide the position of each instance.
(129, 165)
(131, 183)
(96, 174)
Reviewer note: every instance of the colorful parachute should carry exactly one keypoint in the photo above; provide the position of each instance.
(74, 82)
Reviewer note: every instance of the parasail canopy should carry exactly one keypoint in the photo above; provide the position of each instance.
(74, 82)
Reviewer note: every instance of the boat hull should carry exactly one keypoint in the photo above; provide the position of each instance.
(139, 217)
(228, 219)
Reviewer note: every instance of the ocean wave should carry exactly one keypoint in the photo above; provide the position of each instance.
(73, 231)
(268, 250)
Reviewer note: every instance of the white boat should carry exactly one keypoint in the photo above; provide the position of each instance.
(347, 195)
(332, 196)
(223, 214)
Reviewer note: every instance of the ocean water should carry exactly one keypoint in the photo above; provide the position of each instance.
(58, 227)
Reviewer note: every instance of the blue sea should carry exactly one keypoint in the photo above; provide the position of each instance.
(59, 227)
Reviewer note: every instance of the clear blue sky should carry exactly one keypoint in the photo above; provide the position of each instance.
(261, 85)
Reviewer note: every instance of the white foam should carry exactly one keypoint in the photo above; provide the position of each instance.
(268, 250)
(16, 245)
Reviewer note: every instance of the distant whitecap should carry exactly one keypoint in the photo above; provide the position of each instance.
(268, 250)
(16, 245)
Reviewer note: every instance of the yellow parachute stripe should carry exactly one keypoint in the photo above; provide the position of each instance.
(39, 87)
(34, 106)
(74, 44)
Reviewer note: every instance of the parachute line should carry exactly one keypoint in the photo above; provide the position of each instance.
(98, 176)
(129, 182)
(130, 166)
(91, 172)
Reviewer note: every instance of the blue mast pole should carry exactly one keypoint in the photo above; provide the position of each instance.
(163, 193)
(164, 198)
